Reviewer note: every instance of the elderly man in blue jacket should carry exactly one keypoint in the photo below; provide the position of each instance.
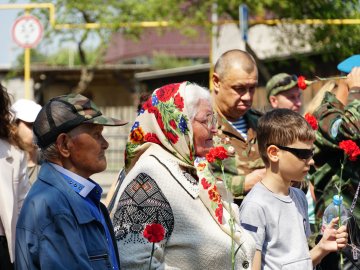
(63, 224)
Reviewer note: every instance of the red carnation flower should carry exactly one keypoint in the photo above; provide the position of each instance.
(312, 121)
(179, 102)
(168, 91)
(302, 82)
(205, 183)
(219, 213)
(152, 137)
(216, 153)
(154, 233)
(210, 158)
(350, 148)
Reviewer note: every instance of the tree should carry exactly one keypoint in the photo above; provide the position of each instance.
(335, 41)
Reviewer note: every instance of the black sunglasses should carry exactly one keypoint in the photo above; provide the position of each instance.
(298, 152)
(286, 81)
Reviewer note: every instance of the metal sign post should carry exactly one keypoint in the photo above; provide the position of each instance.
(244, 21)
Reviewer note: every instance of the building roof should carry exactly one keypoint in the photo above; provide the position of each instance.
(165, 40)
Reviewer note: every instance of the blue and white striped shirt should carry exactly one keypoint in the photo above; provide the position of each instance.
(241, 126)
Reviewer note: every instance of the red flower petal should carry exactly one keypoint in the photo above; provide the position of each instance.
(350, 148)
(216, 153)
(302, 82)
(154, 233)
(312, 121)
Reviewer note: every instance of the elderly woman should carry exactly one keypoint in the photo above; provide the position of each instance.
(175, 125)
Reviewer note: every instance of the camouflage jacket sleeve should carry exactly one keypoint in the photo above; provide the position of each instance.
(337, 123)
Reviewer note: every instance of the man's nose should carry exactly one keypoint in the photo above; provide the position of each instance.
(246, 95)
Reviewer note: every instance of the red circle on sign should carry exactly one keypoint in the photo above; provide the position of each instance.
(27, 31)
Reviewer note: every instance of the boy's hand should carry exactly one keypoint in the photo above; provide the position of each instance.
(334, 239)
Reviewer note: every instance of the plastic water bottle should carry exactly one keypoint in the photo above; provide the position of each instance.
(333, 210)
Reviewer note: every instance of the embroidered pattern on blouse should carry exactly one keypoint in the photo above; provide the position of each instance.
(191, 183)
(141, 203)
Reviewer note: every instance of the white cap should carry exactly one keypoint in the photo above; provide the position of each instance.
(25, 110)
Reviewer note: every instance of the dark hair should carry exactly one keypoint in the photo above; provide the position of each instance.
(7, 130)
(282, 127)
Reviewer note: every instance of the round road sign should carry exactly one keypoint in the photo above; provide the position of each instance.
(27, 31)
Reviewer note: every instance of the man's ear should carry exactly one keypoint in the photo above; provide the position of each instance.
(62, 144)
(216, 82)
(272, 152)
(273, 101)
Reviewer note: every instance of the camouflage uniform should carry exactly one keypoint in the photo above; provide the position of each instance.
(336, 123)
(244, 155)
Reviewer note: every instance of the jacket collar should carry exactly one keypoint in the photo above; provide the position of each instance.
(227, 128)
(52, 177)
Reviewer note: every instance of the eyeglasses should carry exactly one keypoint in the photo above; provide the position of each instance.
(298, 152)
(286, 81)
(210, 121)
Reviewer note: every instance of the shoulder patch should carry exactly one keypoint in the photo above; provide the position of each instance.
(334, 130)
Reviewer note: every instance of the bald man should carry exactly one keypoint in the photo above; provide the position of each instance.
(234, 80)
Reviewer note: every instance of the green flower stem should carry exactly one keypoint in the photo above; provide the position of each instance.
(232, 243)
(152, 253)
(330, 78)
(339, 210)
(231, 221)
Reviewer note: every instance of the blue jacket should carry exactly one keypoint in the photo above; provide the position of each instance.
(56, 229)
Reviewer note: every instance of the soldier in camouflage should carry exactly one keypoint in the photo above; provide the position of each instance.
(283, 92)
(337, 122)
(235, 79)
(63, 224)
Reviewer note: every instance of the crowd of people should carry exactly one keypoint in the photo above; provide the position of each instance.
(209, 182)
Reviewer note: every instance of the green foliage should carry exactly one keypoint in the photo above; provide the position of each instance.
(35, 56)
(63, 57)
(335, 41)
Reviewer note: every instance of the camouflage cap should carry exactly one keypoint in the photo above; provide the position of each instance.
(279, 83)
(79, 110)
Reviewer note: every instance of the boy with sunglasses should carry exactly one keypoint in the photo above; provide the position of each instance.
(274, 212)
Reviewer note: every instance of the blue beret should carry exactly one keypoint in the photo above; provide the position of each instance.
(349, 63)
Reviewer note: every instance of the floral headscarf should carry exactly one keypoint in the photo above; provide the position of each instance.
(163, 119)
